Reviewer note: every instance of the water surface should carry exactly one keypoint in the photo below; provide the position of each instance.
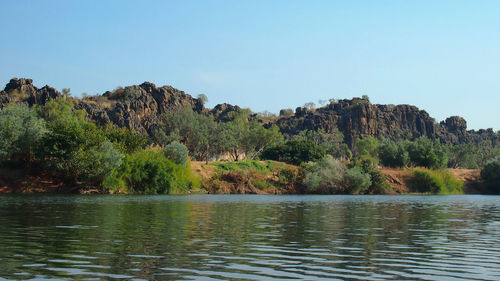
(249, 237)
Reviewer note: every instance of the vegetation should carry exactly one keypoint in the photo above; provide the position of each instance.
(58, 140)
(331, 176)
(150, 172)
(436, 182)
(294, 152)
(491, 175)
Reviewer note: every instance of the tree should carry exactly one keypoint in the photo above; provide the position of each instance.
(366, 147)
(491, 175)
(294, 152)
(356, 181)
(21, 133)
(325, 176)
(427, 153)
(125, 140)
(177, 152)
(71, 143)
(393, 154)
(332, 143)
(197, 132)
(203, 98)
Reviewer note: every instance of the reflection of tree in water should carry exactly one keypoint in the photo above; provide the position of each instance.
(151, 233)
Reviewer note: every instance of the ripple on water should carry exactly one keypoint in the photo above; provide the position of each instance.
(250, 237)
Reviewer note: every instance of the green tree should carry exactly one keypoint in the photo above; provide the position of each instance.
(325, 176)
(366, 147)
(356, 181)
(393, 154)
(491, 175)
(427, 153)
(125, 140)
(294, 152)
(177, 152)
(148, 172)
(332, 143)
(21, 132)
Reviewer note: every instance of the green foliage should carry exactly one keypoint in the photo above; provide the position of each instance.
(261, 167)
(21, 132)
(197, 132)
(491, 175)
(203, 98)
(332, 143)
(177, 152)
(102, 162)
(436, 182)
(393, 154)
(366, 147)
(427, 153)
(77, 149)
(356, 181)
(325, 176)
(244, 137)
(294, 152)
(125, 140)
(149, 172)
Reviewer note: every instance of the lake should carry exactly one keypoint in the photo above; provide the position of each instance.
(250, 237)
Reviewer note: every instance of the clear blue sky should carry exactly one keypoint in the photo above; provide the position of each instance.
(442, 56)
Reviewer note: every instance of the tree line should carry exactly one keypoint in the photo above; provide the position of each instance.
(59, 140)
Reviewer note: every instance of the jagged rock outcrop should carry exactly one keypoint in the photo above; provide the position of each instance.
(358, 118)
(140, 107)
(224, 112)
(23, 90)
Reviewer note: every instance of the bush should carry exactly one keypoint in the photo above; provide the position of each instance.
(325, 176)
(393, 154)
(177, 152)
(426, 153)
(125, 140)
(366, 147)
(436, 182)
(149, 172)
(21, 132)
(356, 181)
(294, 152)
(491, 175)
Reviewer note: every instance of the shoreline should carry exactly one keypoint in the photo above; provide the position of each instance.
(216, 181)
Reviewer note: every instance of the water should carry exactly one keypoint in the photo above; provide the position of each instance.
(250, 237)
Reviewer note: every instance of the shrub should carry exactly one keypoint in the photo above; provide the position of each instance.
(393, 154)
(366, 147)
(491, 175)
(125, 140)
(294, 152)
(426, 153)
(21, 132)
(149, 172)
(325, 176)
(436, 182)
(177, 152)
(356, 181)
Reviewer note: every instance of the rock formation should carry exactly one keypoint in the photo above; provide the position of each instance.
(140, 107)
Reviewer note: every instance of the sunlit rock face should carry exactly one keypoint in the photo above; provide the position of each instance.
(141, 107)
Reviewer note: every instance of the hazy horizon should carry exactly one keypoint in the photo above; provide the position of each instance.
(441, 56)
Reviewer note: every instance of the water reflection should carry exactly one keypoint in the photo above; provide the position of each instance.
(250, 237)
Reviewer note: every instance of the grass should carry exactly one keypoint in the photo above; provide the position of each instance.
(263, 175)
(436, 182)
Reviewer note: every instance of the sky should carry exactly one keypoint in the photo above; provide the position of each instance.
(442, 56)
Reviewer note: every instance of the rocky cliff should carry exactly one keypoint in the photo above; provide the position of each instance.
(140, 108)
(358, 118)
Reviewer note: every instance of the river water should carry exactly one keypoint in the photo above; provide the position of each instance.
(250, 237)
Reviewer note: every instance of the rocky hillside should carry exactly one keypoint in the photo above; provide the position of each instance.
(358, 118)
(140, 107)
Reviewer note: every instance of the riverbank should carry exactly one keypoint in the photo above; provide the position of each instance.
(244, 177)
